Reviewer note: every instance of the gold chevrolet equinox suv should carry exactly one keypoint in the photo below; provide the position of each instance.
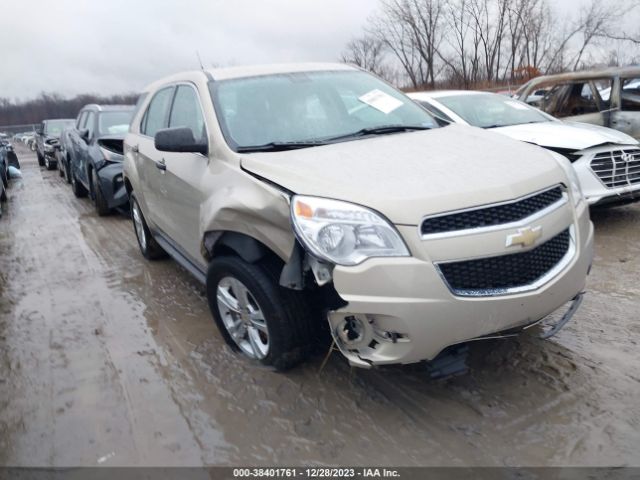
(315, 197)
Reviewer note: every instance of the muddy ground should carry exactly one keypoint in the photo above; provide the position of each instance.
(108, 359)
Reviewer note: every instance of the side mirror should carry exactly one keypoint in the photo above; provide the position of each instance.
(179, 139)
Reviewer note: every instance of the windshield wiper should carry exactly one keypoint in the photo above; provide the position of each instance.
(278, 146)
(381, 130)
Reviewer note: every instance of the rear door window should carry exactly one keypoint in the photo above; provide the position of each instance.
(155, 118)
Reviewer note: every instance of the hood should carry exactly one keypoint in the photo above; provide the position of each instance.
(566, 135)
(408, 175)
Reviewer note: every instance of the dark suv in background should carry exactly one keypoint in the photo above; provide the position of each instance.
(92, 153)
(47, 140)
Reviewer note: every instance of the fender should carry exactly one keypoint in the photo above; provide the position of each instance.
(247, 212)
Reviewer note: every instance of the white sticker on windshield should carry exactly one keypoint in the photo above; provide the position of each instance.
(516, 105)
(381, 101)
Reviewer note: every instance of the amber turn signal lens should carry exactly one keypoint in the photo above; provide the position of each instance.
(303, 210)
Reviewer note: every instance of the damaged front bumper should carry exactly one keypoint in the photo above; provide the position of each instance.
(112, 185)
(400, 311)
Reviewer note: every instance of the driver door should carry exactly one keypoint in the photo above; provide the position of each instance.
(150, 160)
(182, 183)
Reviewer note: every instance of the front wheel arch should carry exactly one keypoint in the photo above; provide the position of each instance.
(218, 243)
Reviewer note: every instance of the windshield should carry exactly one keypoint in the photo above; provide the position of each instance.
(310, 107)
(55, 127)
(488, 110)
(114, 123)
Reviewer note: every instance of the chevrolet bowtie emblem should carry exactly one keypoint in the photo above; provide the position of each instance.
(524, 236)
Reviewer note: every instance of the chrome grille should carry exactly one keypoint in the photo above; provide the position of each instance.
(617, 168)
(492, 215)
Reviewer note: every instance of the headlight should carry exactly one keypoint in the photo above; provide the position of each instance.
(344, 233)
(574, 182)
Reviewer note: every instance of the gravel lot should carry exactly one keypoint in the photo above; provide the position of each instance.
(107, 359)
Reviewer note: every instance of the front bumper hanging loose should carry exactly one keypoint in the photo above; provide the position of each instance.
(573, 308)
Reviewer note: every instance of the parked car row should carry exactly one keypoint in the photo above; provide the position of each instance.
(27, 138)
(8, 161)
(88, 152)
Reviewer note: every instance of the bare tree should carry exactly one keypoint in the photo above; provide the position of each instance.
(473, 42)
(366, 52)
(411, 30)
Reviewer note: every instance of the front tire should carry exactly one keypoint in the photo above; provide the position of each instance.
(149, 248)
(40, 159)
(78, 189)
(47, 163)
(101, 203)
(257, 316)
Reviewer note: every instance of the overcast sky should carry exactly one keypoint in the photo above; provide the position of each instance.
(118, 46)
(115, 46)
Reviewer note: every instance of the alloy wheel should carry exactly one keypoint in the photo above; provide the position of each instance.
(243, 317)
(137, 223)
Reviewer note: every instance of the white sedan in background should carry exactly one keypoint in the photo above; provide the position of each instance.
(606, 161)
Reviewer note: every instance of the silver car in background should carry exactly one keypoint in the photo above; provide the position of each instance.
(606, 161)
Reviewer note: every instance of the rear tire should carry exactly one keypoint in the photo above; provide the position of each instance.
(101, 203)
(67, 170)
(285, 313)
(149, 248)
(40, 159)
(3, 194)
(78, 189)
(4, 177)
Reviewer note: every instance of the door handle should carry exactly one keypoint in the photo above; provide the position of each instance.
(134, 148)
(161, 165)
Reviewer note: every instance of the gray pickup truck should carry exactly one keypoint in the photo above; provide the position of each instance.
(91, 155)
